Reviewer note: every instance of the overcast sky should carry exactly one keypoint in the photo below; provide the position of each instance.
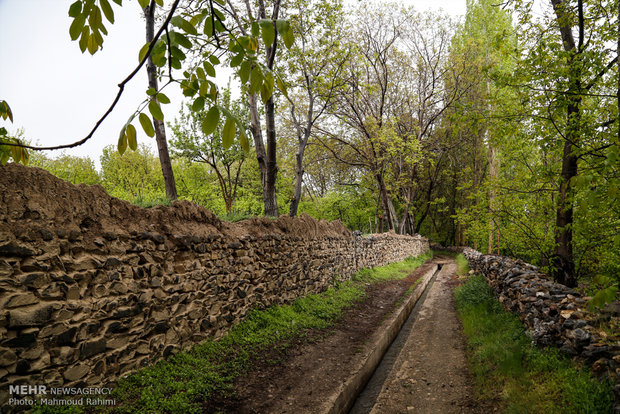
(57, 93)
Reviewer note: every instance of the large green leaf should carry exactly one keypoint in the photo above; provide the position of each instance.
(122, 141)
(199, 104)
(107, 10)
(76, 26)
(210, 121)
(184, 25)
(268, 33)
(75, 9)
(228, 133)
(147, 126)
(162, 98)
(243, 140)
(155, 110)
(244, 71)
(131, 137)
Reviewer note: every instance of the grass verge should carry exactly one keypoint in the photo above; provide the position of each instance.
(505, 364)
(185, 381)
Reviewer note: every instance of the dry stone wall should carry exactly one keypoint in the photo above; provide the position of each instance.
(553, 314)
(92, 287)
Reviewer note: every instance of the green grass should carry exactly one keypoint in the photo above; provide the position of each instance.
(462, 266)
(508, 369)
(183, 382)
(398, 270)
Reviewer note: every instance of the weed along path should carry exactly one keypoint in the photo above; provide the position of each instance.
(429, 374)
(424, 369)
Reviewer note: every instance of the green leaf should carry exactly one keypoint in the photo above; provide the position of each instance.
(288, 38)
(147, 126)
(183, 24)
(236, 60)
(143, 51)
(209, 69)
(132, 140)
(92, 44)
(283, 26)
(107, 10)
(75, 9)
(163, 98)
(268, 33)
(256, 79)
(151, 92)
(244, 71)
(143, 3)
(208, 30)
(160, 3)
(243, 140)
(281, 85)
(201, 73)
(76, 27)
(155, 110)
(84, 39)
(255, 29)
(228, 133)
(199, 104)
(122, 141)
(214, 60)
(5, 111)
(210, 121)
(181, 40)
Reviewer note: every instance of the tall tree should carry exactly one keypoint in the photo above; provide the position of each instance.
(160, 128)
(314, 65)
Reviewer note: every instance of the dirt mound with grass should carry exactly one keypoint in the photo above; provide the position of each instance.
(31, 196)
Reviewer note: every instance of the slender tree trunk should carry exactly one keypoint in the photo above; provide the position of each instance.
(493, 174)
(160, 129)
(562, 261)
(299, 175)
(269, 189)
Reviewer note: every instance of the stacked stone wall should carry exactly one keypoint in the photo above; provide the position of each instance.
(553, 314)
(92, 287)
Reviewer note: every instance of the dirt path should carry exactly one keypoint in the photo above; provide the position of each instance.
(430, 373)
(428, 376)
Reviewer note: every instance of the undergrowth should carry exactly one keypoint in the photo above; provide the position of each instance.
(527, 379)
(185, 381)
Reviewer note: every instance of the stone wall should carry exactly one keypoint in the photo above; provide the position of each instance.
(92, 287)
(553, 314)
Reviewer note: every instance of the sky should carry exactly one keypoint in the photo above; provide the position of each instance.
(57, 94)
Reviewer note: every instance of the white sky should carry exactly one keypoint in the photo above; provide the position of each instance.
(57, 93)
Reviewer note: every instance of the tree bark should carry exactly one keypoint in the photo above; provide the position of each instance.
(493, 174)
(160, 129)
(562, 262)
(299, 175)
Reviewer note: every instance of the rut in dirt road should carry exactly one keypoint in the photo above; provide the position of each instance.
(430, 373)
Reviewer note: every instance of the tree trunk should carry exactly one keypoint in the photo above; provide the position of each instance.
(389, 212)
(493, 174)
(160, 129)
(299, 175)
(269, 188)
(562, 262)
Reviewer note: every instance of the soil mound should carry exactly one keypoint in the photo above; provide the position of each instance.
(32, 196)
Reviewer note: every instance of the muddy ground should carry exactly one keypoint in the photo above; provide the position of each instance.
(300, 377)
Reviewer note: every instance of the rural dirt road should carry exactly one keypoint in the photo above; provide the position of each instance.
(426, 370)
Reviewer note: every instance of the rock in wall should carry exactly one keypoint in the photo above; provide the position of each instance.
(92, 287)
(553, 314)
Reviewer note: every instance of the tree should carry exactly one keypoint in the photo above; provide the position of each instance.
(160, 128)
(190, 143)
(76, 170)
(133, 176)
(313, 64)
